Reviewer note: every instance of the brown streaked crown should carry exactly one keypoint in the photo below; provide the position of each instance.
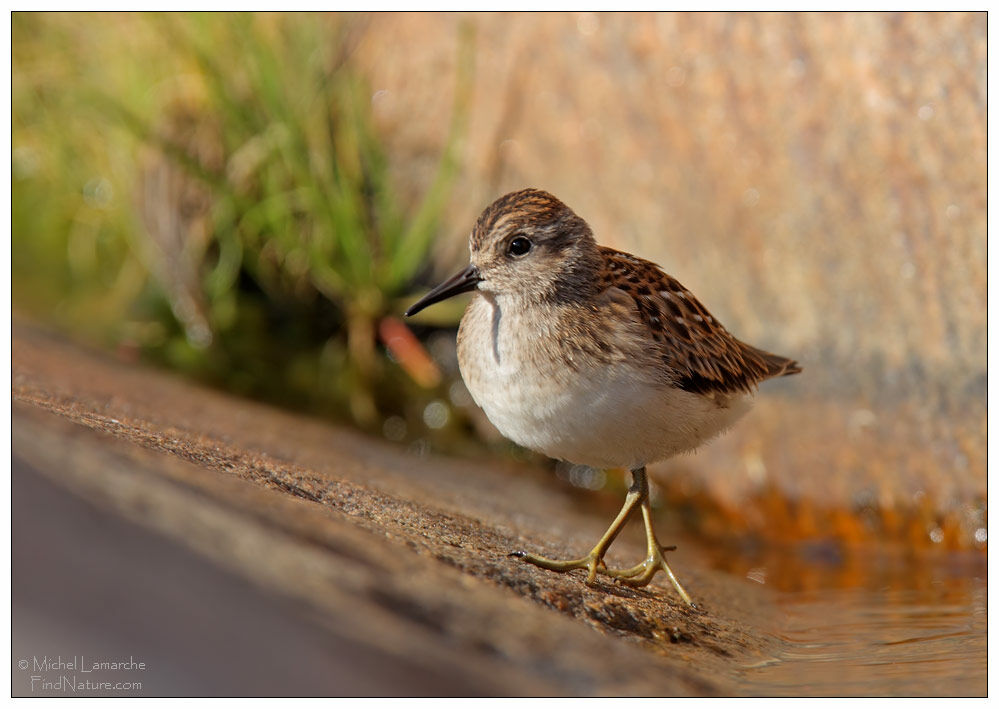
(529, 208)
(702, 355)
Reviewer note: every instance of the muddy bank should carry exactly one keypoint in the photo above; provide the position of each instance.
(405, 557)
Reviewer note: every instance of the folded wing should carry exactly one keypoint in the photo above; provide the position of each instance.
(701, 355)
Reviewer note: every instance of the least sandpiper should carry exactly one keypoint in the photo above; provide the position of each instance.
(593, 356)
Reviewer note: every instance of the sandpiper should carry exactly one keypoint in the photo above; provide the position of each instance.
(593, 356)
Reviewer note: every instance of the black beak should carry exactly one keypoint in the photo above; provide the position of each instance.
(459, 283)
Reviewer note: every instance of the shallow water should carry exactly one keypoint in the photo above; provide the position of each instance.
(874, 625)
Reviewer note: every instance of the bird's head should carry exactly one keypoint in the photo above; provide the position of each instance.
(526, 245)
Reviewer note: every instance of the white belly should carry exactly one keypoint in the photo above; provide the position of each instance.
(598, 414)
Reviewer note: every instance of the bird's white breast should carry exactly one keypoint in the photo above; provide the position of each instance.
(595, 413)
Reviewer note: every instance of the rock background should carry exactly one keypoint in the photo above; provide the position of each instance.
(817, 179)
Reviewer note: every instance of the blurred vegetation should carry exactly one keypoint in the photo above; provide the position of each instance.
(209, 190)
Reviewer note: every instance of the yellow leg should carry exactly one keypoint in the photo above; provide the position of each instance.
(640, 575)
(594, 561)
(643, 573)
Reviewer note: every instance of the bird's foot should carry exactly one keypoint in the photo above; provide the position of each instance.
(643, 573)
(638, 570)
(592, 562)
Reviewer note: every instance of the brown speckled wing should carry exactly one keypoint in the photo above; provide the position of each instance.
(702, 355)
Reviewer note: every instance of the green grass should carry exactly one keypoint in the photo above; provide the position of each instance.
(211, 191)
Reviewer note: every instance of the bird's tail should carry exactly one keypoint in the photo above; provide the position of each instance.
(777, 366)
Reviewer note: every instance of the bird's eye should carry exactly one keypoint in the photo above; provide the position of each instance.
(519, 246)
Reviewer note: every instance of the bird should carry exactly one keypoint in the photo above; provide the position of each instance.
(593, 356)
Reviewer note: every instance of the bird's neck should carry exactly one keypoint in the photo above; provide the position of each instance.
(578, 280)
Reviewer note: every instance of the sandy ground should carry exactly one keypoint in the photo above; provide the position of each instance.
(244, 550)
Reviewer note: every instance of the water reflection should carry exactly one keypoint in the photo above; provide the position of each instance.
(870, 622)
(817, 565)
(884, 643)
